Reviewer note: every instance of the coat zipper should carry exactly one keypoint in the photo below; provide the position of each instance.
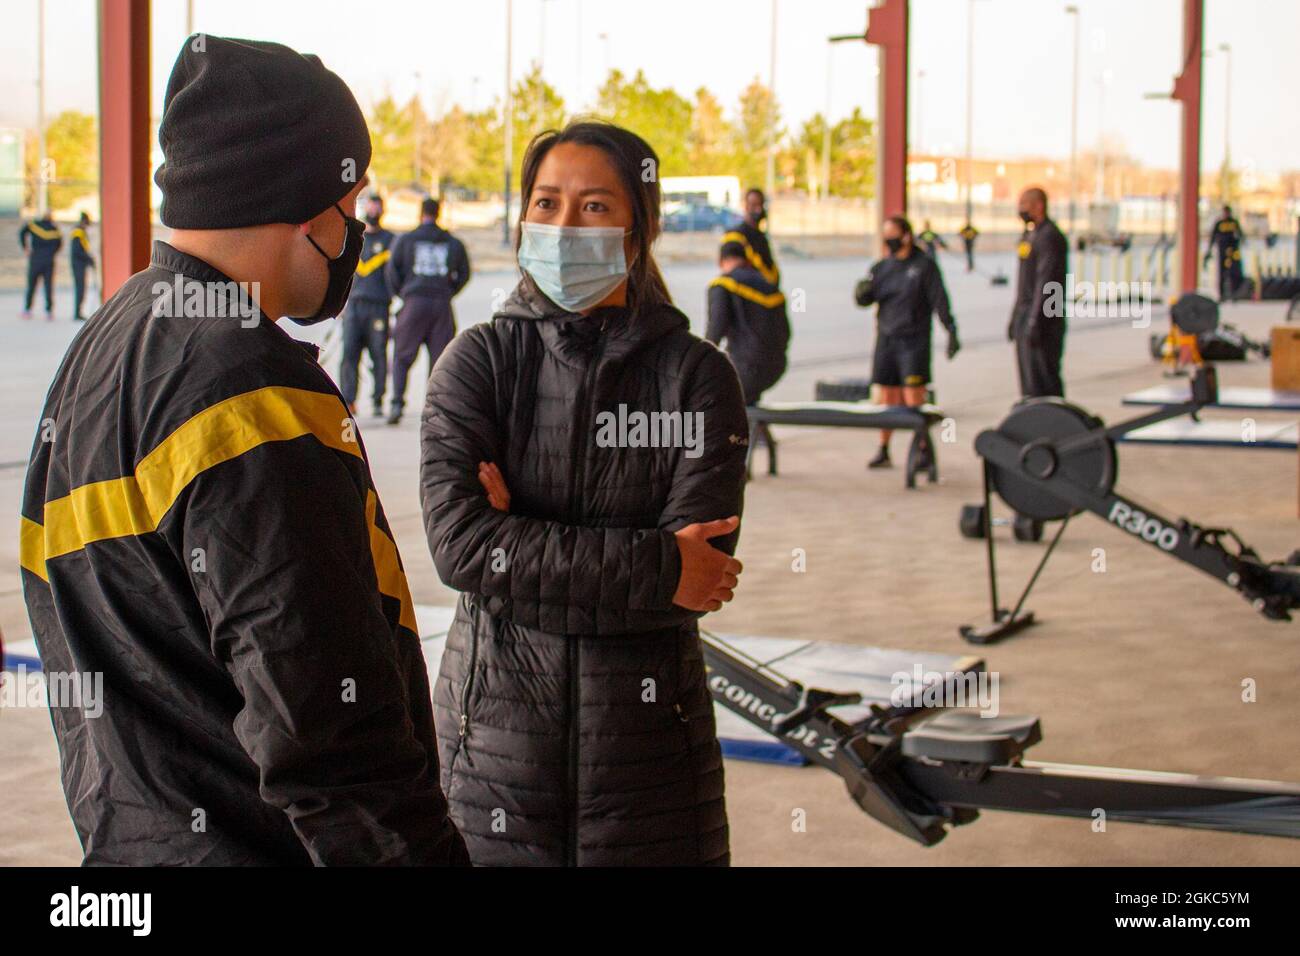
(467, 687)
(575, 662)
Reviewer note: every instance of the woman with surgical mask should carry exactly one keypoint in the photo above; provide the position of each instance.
(583, 461)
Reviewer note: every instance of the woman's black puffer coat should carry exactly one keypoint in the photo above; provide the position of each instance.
(574, 723)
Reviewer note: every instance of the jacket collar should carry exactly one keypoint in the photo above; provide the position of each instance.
(171, 259)
(572, 337)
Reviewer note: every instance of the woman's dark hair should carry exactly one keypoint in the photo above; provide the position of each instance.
(904, 226)
(637, 166)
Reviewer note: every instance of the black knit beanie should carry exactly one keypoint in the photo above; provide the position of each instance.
(254, 133)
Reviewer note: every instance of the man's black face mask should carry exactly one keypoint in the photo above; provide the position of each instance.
(893, 244)
(342, 269)
(1024, 214)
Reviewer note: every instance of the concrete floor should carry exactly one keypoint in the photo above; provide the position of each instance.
(1140, 666)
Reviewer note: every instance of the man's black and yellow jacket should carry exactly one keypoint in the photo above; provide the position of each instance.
(40, 237)
(748, 313)
(200, 527)
(370, 285)
(758, 250)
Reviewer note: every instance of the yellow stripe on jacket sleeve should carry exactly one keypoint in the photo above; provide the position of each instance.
(43, 233)
(367, 266)
(31, 547)
(768, 300)
(388, 565)
(136, 504)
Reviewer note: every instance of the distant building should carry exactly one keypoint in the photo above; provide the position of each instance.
(11, 172)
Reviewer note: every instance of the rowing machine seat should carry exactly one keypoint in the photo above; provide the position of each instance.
(963, 736)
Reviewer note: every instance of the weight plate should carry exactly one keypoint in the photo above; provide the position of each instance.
(1093, 466)
(1194, 314)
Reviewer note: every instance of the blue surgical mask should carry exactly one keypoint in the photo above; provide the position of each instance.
(574, 266)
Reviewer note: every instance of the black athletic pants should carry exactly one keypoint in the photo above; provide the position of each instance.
(78, 290)
(40, 271)
(422, 321)
(1039, 362)
(365, 329)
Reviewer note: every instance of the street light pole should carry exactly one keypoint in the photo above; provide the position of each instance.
(42, 186)
(1073, 11)
(770, 183)
(826, 126)
(1227, 121)
(1102, 79)
(416, 117)
(970, 104)
(507, 114)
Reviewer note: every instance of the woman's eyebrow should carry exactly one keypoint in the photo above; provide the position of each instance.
(597, 190)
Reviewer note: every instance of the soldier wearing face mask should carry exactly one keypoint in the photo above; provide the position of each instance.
(365, 320)
(758, 251)
(1038, 320)
(907, 289)
(205, 532)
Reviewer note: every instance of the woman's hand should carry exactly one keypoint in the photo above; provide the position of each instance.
(708, 575)
(489, 476)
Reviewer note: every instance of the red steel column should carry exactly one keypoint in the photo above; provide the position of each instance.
(1187, 90)
(887, 28)
(123, 139)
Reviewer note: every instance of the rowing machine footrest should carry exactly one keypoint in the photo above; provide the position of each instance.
(875, 786)
(965, 737)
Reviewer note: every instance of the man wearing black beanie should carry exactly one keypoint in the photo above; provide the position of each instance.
(201, 539)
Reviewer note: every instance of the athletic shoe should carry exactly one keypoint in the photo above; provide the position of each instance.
(49, 316)
(395, 417)
(377, 412)
(882, 459)
(25, 314)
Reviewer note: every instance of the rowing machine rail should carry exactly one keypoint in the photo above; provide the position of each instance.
(922, 771)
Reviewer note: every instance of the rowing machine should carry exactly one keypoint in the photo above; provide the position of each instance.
(1050, 460)
(921, 771)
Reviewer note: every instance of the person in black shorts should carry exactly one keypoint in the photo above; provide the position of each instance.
(907, 289)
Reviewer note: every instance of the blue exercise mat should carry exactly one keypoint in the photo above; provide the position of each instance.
(875, 672)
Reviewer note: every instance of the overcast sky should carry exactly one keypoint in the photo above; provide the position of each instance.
(1022, 69)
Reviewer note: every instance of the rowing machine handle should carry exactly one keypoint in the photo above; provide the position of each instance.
(811, 701)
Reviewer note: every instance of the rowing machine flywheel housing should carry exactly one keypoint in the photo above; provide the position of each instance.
(1040, 426)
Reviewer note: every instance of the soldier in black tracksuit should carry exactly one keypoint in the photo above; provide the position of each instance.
(968, 236)
(82, 260)
(753, 240)
(748, 312)
(907, 288)
(1036, 327)
(428, 267)
(365, 320)
(201, 536)
(1226, 236)
(41, 240)
(931, 242)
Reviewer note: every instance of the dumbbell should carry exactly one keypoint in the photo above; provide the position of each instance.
(1022, 528)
